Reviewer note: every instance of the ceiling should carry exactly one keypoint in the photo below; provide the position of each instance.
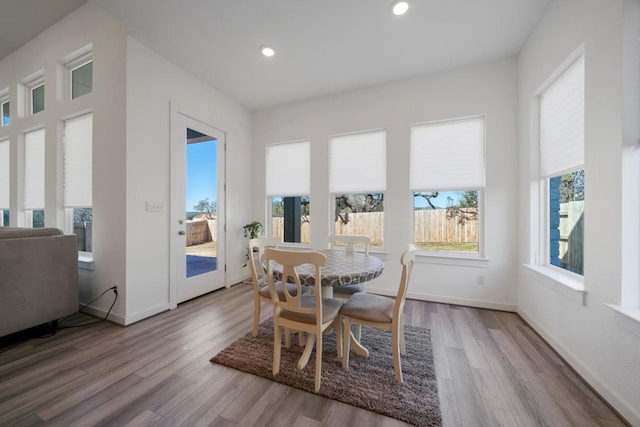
(322, 46)
(22, 20)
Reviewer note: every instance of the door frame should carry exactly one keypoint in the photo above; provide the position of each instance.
(177, 116)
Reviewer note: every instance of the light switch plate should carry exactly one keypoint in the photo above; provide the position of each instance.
(155, 206)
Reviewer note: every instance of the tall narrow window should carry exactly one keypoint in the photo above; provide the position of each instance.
(288, 183)
(82, 79)
(5, 108)
(4, 183)
(447, 179)
(37, 98)
(77, 149)
(357, 183)
(562, 168)
(33, 197)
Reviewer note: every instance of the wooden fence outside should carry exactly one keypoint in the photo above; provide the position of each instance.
(572, 235)
(200, 231)
(434, 226)
(430, 226)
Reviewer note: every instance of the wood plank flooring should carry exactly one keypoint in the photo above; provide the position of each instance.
(492, 370)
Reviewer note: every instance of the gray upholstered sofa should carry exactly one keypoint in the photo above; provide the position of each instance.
(38, 277)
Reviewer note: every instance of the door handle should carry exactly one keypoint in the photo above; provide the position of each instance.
(181, 233)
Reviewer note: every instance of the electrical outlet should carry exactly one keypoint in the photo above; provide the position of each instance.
(480, 279)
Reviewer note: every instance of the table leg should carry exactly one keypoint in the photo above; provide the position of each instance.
(356, 346)
(327, 291)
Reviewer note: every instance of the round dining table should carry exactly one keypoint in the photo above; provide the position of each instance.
(342, 268)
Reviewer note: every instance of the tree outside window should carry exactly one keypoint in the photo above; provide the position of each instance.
(360, 214)
(446, 221)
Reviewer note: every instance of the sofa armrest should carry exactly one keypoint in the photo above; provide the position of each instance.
(38, 280)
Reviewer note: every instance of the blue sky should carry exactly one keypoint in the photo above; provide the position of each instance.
(439, 202)
(202, 179)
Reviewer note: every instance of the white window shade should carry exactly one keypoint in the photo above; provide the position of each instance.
(288, 169)
(448, 155)
(562, 122)
(4, 175)
(77, 148)
(358, 163)
(34, 170)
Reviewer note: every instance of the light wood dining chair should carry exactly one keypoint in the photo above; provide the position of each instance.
(261, 291)
(350, 242)
(381, 312)
(305, 313)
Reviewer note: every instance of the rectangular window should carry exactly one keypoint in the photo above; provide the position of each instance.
(82, 79)
(447, 173)
(78, 179)
(37, 98)
(33, 197)
(562, 169)
(6, 115)
(4, 182)
(357, 182)
(288, 183)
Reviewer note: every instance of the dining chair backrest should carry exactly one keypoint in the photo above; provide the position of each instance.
(407, 259)
(289, 260)
(256, 252)
(350, 241)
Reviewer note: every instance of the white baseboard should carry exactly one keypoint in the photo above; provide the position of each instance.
(447, 300)
(98, 312)
(630, 413)
(141, 315)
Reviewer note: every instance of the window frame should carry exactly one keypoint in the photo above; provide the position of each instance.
(5, 102)
(28, 212)
(68, 211)
(451, 256)
(75, 65)
(358, 191)
(268, 228)
(542, 254)
(31, 89)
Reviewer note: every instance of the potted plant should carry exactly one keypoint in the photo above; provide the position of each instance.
(253, 229)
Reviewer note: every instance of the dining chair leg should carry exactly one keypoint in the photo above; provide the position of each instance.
(300, 338)
(318, 361)
(337, 325)
(346, 340)
(256, 316)
(395, 349)
(403, 347)
(277, 342)
(358, 331)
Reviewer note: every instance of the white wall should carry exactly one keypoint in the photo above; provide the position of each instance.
(152, 82)
(87, 25)
(488, 89)
(591, 336)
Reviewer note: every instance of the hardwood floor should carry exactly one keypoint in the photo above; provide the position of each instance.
(492, 370)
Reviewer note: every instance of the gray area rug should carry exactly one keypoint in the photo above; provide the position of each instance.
(369, 383)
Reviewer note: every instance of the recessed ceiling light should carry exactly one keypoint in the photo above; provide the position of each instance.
(399, 7)
(267, 50)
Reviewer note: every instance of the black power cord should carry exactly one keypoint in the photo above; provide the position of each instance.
(115, 299)
(17, 338)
